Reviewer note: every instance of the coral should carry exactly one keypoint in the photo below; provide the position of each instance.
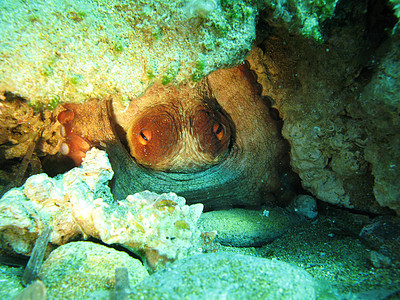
(21, 126)
(79, 50)
(26, 136)
(159, 228)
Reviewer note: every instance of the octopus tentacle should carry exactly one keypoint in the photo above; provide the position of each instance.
(74, 146)
(85, 126)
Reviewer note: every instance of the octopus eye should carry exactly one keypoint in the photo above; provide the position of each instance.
(144, 136)
(153, 137)
(212, 131)
(219, 131)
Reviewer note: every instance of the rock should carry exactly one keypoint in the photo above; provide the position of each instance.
(301, 16)
(34, 291)
(76, 269)
(379, 260)
(382, 234)
(10, 278)
(74, 50)
(381, 102)
(305, 206)
(246, 228)
(228, 276)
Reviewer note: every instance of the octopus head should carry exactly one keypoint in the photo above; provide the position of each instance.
(173, 138)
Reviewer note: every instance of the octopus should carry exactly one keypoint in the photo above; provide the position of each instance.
(213, 142)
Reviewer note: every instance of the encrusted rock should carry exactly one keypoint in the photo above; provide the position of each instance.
(159, 228)
(10, 278)
(41, 201)
(381, 102)
(68, 51)
(63, 51)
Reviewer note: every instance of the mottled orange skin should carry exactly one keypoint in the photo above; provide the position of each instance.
(213, 143)
(178, 138)
(84, 126)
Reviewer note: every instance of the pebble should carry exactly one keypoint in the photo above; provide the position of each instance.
(34, 291)
(305, 205)
(379, 260)
(246, 228)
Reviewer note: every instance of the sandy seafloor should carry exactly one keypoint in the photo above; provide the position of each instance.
(331, 252)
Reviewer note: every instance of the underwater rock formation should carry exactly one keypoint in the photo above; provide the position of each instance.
(310, 123)
(26, 137)
(159, 228)
(299, 16)
(43, 201)
(214, 143)
(71, 51)
(340, 107)
(380, 101)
